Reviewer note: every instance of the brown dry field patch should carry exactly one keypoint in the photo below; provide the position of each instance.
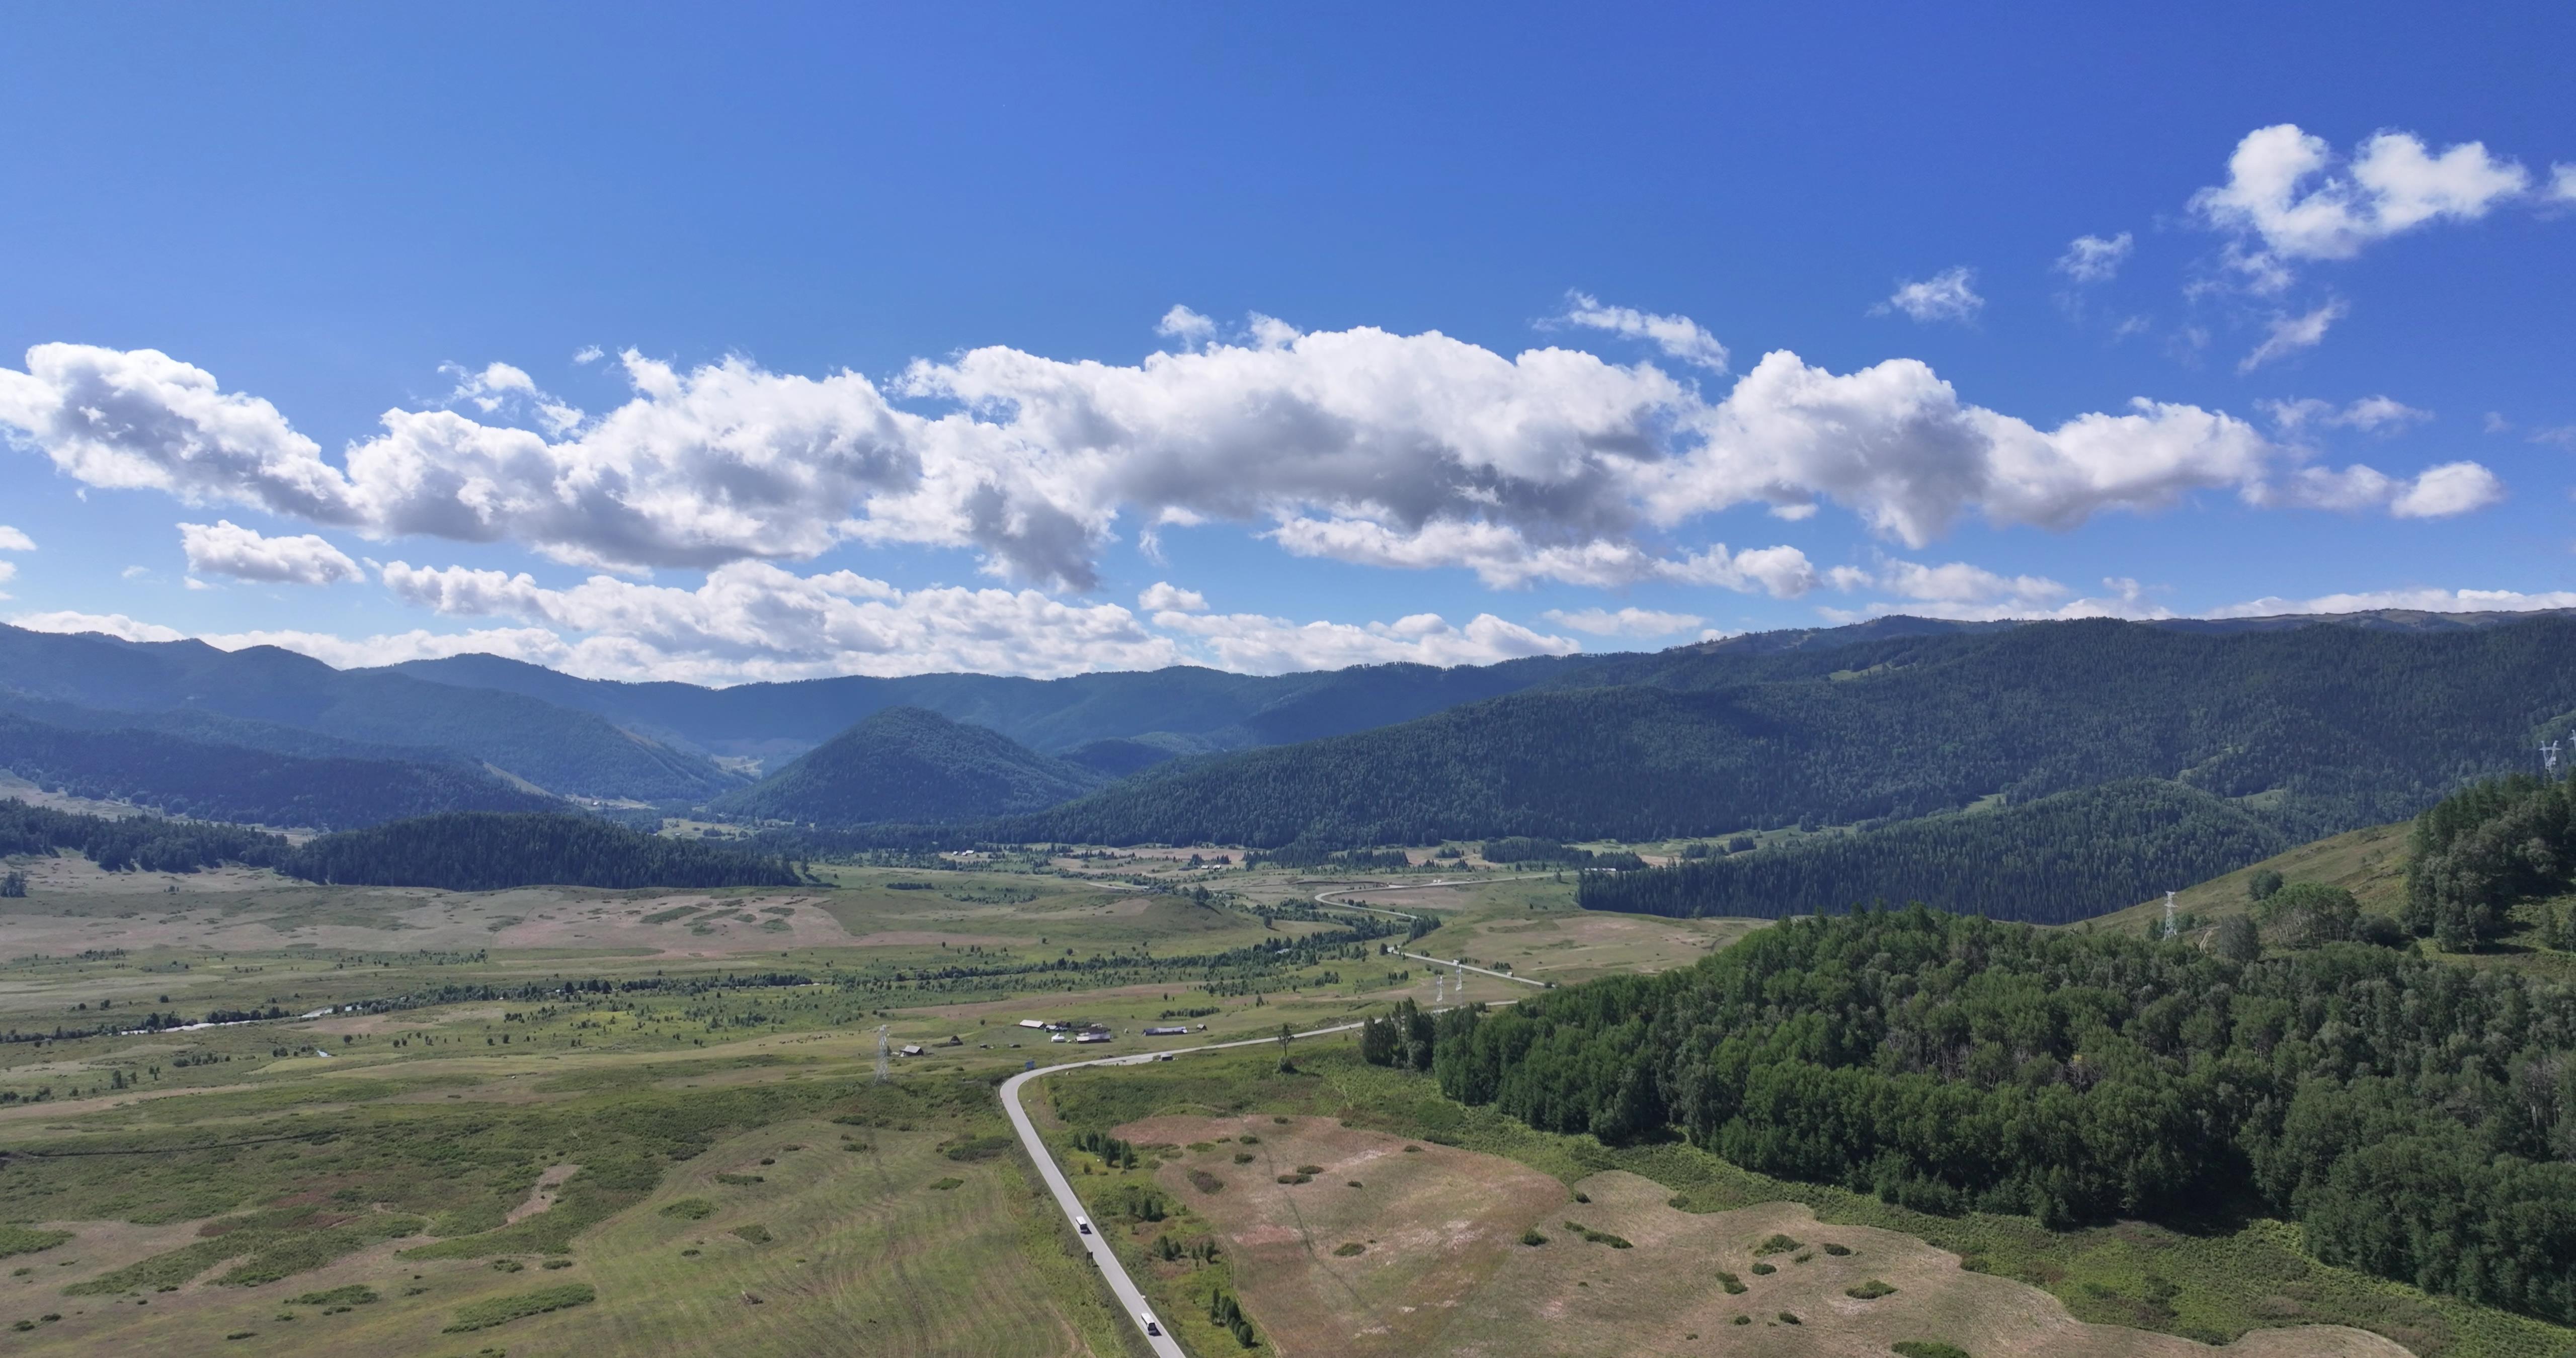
(541, 1195)
(1443, 1272)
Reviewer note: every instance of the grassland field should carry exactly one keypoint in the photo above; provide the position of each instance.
(550, 1121)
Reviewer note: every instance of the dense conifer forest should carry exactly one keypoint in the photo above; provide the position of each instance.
(2476, 854)
(228, 782)
(490, 851)
(2061, 858)
(2343, 726)
(148, 843)
(2417, 1118)
(908, 765)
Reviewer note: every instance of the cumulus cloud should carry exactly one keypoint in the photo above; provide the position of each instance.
(226, 548)
(1627, 622)
(2092, 259)
(2370, 414)
(1185, 325)
(2288, 335)
(2289, 198)
(499, 387)
(754, 620)
(1162, 596)
(2427, 600)
(534, 645)
(1254, 644)
(1678, 336)
(1949, 295)
(1967, 593)
(2562, 183)
(12, 540)
(2438, 492)
(1363, 445)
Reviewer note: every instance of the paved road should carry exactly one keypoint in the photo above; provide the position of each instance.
(1129, 1298)
(1497, 975)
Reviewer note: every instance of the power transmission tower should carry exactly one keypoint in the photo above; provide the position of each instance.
(2549, 758)
(2170, 929)
(885, 1054)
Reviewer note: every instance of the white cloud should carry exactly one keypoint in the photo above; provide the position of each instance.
(1185, 325)
(2290, 334)
(752, 620)
(1895, 444)
(1503, 558)
(2562, 183)
(226, 548)
(13, 540)
(2370, 414)
(2446, 490)
(1627, 622)
(2288, 198)
(589, 353)
(2091, 259)
(1253, 644)
(2437, 492)
(500, 387)
(1967, 593)
(1360, 444)
(533, 645)
(135, 572)
(1162, 597)
(2426, 600)
(1946, 296)
(1678, 336)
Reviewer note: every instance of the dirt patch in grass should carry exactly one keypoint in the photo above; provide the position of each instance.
(1443, 1272)
(1444, 1221)
(548, 1187)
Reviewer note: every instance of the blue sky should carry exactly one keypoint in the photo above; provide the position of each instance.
(824, 332)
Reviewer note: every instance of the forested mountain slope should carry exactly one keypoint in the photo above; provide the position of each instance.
(232, 783)
(2412, 1115)
(2061, 858)
(2340, 726)
(1206, 709)
(910, 765)
(564, 751)
(490, 851)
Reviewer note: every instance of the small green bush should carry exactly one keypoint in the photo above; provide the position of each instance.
(1789, 1318)
(1532, 1237)
(355, 1294)
(1243, 1157)
(1734, 1285)
(1869, 1291)
(1838, 1251)
(1349, 1249)
(483, 1315)
(755, 1233)
(1761, 1270)
(943, 1185)
(1777, 1244)
(690, 1209)
(1928, 1348)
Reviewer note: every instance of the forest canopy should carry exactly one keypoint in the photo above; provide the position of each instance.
(491, 851)
(2052, 861)
(2416, 1118)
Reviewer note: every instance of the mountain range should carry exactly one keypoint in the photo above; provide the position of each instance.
(2309, 725)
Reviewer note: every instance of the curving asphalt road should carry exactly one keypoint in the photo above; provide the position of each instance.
(1124, 1287)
